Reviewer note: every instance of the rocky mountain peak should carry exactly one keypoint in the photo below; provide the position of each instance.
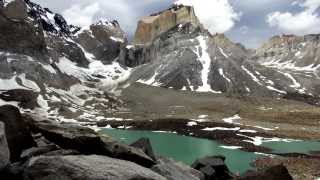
(291, 51)
(103, 39)
(152, 26)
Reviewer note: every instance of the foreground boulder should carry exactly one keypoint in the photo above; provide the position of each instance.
(4, 150)
(119, 150)
(145, 145)
(18, 134)
(86, 167)
(176, 171)
(213, 167)
(87, 141)
(278, 172)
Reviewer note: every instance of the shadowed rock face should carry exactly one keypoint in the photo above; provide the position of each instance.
(4, 150)
(18, 135)
(152, 26)
(17, 34)
(104, 40)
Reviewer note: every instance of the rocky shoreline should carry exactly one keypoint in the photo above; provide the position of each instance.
(42, 149)
(228, 134)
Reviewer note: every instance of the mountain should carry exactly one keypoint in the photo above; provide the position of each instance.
(67, 71)
(61, 70)
(188, 57)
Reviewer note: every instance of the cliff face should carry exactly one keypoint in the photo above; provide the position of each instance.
(291, 52)
(103, 39)
(152, 26)
(187, 57)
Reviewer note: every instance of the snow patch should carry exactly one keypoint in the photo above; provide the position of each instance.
(231, 147)
(252, 75)
(223, 75)
(205, 60)
(192, 123)
(116, 39)
(223, 53)
(8, 84)
(276, 90)
(221, 129)
(231, 120)
(257, 140)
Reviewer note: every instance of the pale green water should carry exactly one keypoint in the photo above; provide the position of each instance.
(188, 149)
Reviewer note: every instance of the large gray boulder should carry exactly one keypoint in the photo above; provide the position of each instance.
(213, 167)
(4, 150)
(18, 134)
(145, 145)
(173, 170)
(86, 167)
(87, 141)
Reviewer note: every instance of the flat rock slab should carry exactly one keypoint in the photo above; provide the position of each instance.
(87, 141)
(86, 167)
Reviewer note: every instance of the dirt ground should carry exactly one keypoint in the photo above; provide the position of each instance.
(288, 118)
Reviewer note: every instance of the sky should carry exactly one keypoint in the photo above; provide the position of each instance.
(250, 22)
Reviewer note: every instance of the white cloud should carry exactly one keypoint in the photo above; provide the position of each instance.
(218, 16)
(304, 22)
(85, 13)
(81, 16)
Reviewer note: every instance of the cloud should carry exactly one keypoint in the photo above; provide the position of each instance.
(81, 16)
(85, 13)
(304, 22)
(218, 16)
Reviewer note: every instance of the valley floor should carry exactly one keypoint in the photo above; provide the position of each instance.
(223, 118)
(276, 117)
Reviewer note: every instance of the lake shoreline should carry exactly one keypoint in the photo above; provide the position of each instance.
(224, 133)
(300, 165)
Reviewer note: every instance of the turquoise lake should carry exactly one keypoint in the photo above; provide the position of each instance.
(187, 149)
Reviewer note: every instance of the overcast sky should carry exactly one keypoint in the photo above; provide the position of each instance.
(250, 22)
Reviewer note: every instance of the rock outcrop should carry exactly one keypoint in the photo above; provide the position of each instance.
(213, 168)
(19, 35)
(104, 40)
(4, 150)
(145, 145)
(291, 52)
(152, 26)
(17, 132)
(83, 139)
(26, 98)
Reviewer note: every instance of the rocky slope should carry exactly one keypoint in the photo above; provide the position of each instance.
(58, 70)
(188, 57)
